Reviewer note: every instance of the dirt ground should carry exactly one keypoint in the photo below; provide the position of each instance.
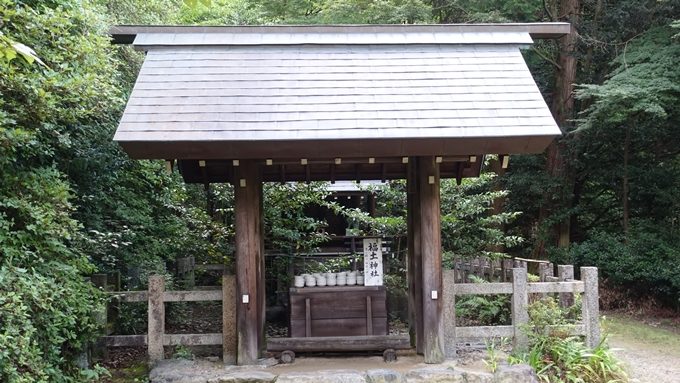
(649, 348)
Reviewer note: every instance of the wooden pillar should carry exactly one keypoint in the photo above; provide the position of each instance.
(414, 274)
(431, 254)
(249, 281)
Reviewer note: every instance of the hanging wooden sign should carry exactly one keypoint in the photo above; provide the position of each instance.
(373, 262)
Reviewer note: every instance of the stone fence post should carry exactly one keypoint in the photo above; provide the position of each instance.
(520, 303)
(156, 317)
(591, 306)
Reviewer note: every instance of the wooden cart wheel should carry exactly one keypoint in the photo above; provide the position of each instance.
(287, 357)
(390, 355)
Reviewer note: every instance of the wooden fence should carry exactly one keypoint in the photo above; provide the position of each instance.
(156, 337)
(518, 288)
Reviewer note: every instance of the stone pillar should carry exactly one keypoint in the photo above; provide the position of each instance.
(565, 273)
(229, 337)
(591, 306)
(520, 303)
(156, 318)
(449, 299)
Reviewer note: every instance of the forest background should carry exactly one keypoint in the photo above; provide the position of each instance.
(607, 193)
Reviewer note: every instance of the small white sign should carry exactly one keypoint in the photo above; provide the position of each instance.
(373, 262)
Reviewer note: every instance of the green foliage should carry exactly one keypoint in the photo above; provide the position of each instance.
(46, 320)
(483, 310)
(557, 357)
(287, 226)
(647, 263)
(470, 228)
(222, 12)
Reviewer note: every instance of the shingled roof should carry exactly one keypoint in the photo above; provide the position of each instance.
(321, 92)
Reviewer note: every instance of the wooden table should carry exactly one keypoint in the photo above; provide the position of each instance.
(338, 311)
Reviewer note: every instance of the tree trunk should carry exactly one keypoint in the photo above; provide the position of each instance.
(557, 162)
(624, 196)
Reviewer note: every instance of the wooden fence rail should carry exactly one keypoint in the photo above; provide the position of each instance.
(518, 288)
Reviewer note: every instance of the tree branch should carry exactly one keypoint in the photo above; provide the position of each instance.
(546, 58)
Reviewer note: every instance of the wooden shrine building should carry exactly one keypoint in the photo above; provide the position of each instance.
(249, 105)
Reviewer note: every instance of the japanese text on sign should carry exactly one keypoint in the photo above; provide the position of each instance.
(373, 262)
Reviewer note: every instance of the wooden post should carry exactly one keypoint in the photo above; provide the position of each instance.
(414, 264)
(229, 303)
(566, 274)
(261, 282)
(520, 303)
(431, 254)
(248, 216)
(591, 306)
(156, 318)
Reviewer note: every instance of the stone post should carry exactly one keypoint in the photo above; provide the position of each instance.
(229, 319)
(591, 306)
(449, 297)
(520, 303)
(566, 274)
(156, 318)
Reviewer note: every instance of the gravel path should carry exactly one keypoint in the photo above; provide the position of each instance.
(651, 354)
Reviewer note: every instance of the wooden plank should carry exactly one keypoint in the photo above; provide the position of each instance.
(485, 331)
(125, 340)
(338, 305)
(248, 253)
(369, 316)
(430, 243)
(331, 327)
(192, 296)
(344, 343)
(555, 287)
(308, 318)
(156, 318)
(336, 289)
(483, 288)
(192, 339)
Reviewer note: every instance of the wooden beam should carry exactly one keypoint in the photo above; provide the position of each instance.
(337, 343)
(431, 254)
(248, 217)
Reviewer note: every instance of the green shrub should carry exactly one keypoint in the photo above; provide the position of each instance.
(647, 263)
(557, 357)
(483, 310)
